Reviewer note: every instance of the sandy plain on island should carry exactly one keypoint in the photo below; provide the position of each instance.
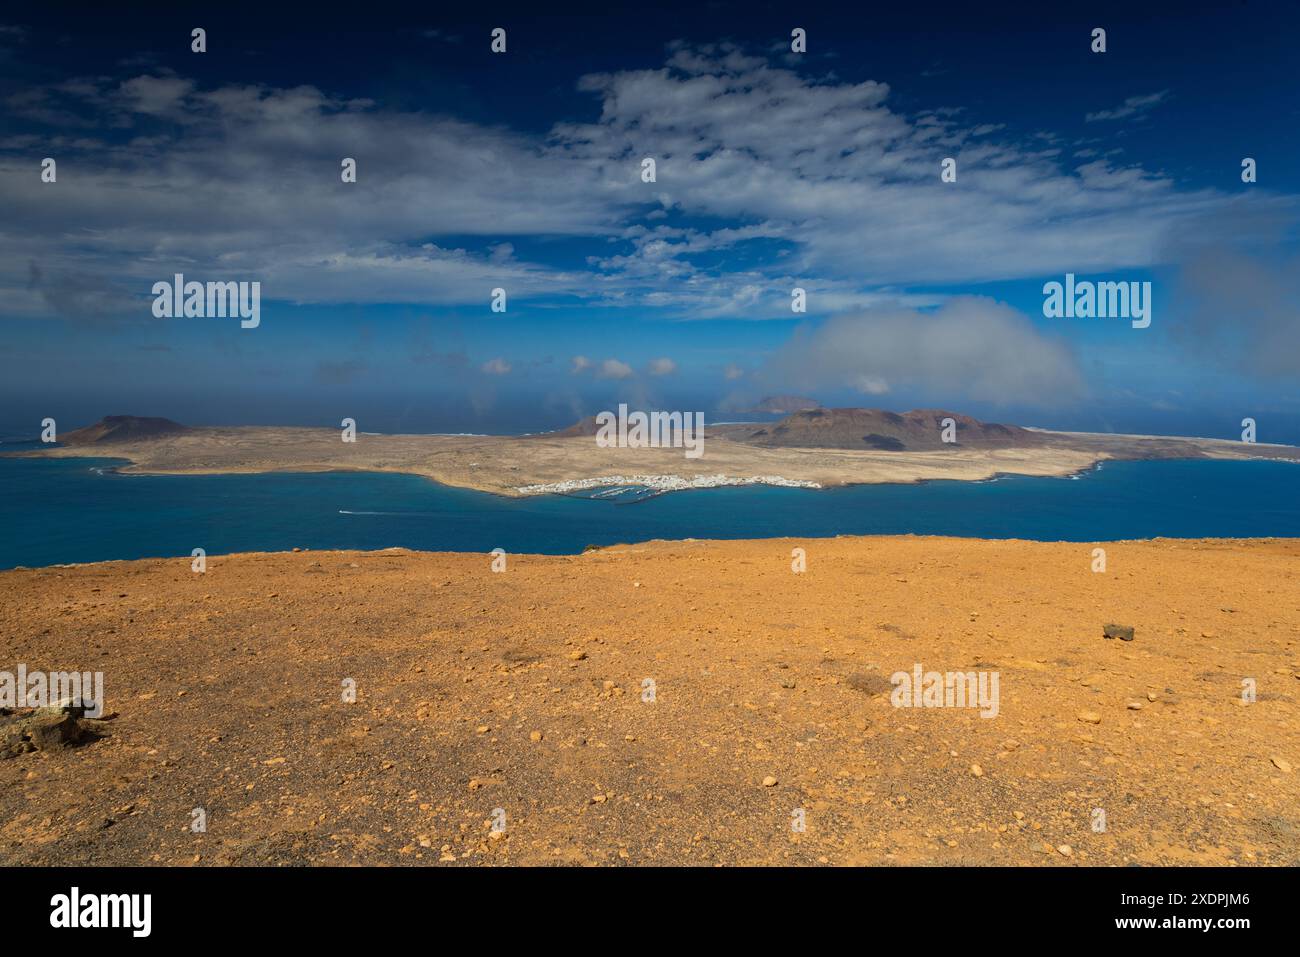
(504, 464)
(522, 691)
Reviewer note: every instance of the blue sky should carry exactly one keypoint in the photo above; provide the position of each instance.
(774, 170)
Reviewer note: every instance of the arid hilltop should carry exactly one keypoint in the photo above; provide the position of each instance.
(881, 430)
(123, 428)
(665, 703)
(829, 454)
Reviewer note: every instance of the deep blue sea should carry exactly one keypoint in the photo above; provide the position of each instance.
(54, 511)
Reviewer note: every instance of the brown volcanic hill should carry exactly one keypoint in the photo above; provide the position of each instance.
(881, 430)
(123, 428)
(580, 429)
(583, 428)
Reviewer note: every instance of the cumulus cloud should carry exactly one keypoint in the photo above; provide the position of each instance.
(496, 366)
(970, 348)
(732, 372)
(579, 364)
(614, 369)
(663, 366)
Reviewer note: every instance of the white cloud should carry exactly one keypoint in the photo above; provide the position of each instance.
(158, 95)
(496, 366)
(209, 191)
(871, 385)
(850, 189)
(614, 369)
(663, 366)
(826, 185)
(970, 348)
(1235, 295)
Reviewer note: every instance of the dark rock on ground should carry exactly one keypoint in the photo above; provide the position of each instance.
(45, 729)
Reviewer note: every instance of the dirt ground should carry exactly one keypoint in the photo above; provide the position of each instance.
(667, 703)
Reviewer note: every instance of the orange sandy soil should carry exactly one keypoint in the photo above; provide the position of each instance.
(521, 691)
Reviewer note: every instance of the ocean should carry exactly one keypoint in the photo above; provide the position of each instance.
(55, 511)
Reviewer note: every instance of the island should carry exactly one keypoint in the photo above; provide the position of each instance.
(815, 448)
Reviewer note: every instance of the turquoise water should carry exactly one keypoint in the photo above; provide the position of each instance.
(77, 510)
